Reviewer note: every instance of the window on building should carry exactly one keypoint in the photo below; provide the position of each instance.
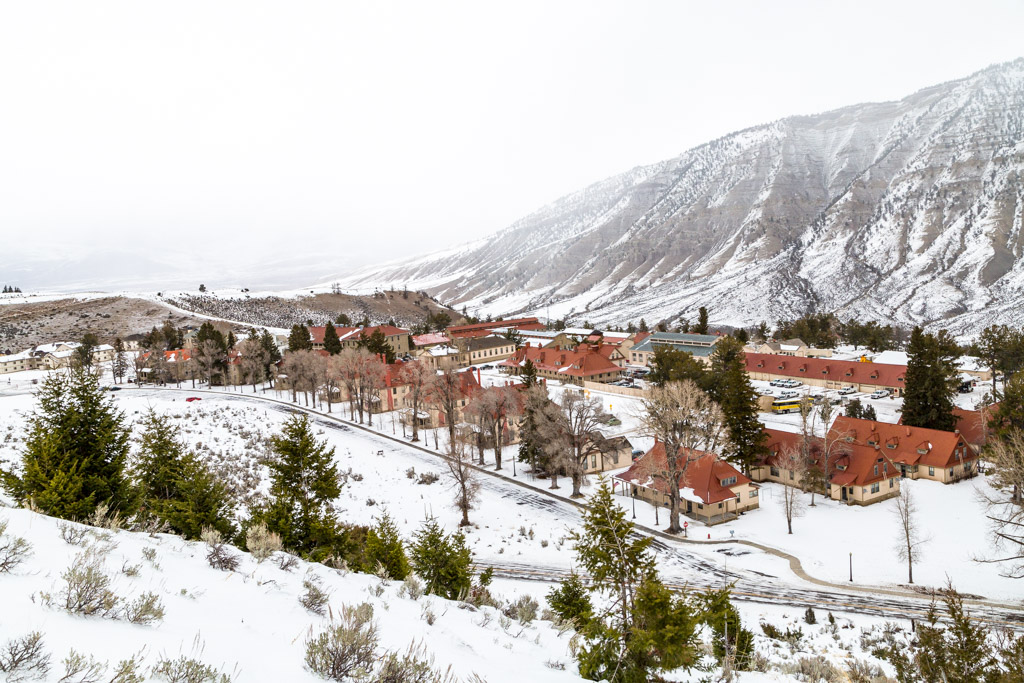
(931, 471)
(729, 481)
(876, 470)
(892, 483)
(774, 471)
(875, 487)
(791, 474)
(753, 494)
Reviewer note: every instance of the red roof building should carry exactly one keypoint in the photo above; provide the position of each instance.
(827, 372)
(712, 490)
(919, 453)
(858, 474)
(584, 364)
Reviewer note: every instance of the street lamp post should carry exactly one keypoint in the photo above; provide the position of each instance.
(851, 567)
(634, 503)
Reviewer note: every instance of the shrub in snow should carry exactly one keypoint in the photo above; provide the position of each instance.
(809, 616)
(412, 666)
(145, 609)
(286, 562)
(427, 614)
(23, 659)
(79, 668)
(87, 589)
(411, 588)
(262, 542)
(859, 671)
(428, 478)
(315, 598)
(13, 550)
(347, 650)
(217, 555)
(814, 669)
(384, 550)
(187, 670)
(523, 610)
(72, 533)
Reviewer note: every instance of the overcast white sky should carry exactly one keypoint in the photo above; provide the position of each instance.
(356, 132)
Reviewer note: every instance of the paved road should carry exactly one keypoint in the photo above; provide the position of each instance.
(678, 567)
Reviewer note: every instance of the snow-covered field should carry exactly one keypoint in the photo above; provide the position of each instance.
(250, 622)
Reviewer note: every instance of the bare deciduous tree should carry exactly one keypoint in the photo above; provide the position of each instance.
(209, 356)
(253, 361)
(464, 478)
(688, 423)
(1006, 505)
(909, 542)
(420, 378)
(580, 419)
(369, 382)
(792, 459)
(446, 396)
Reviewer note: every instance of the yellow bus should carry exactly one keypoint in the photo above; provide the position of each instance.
(788, 405)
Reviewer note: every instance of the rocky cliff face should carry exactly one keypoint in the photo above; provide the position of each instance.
(906, 211)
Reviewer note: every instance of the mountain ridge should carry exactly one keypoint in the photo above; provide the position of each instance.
(906, 211)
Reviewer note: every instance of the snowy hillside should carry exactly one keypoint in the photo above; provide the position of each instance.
(907, 211)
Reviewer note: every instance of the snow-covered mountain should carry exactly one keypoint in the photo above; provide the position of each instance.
(907, 211)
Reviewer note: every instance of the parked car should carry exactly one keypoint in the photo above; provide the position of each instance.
(115, 388)
(767, 392)
(880, 393)
(847, 390)
(486, 367)
(789, 393)
(192, 398)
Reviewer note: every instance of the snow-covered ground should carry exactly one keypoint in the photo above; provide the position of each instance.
(250, 622)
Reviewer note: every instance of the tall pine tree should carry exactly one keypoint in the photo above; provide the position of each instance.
(303, 486)
(298, 339)
(931, 381)
(175, 486)
(75, 454)
(332, 344)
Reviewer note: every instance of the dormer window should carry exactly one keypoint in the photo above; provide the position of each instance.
(729, 481)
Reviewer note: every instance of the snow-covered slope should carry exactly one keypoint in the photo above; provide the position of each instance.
(907, 211)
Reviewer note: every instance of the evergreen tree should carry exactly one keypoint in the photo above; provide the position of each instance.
(643, 325)
(571, 602)
(729, 638)
(702, 321)
(172, 336)
(673, 365)
(270, 346)
(739, 404)
(299, 339)
(119, 366)
(644, 629)
(378, 345)
(443, 561)
(957, 653)
(384, 549)
(343, 320)
(531, 451)
(87, 347)
(175, 486)
(332, 344)
(931, 381)
(231, 341)
(1009, 416)
(762, 331)
(528, 374)
(74, 457)
(303, 485)
(208, 332)
(860, 411)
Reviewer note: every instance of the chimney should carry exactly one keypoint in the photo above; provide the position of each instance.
(908, 431)
(478, 377)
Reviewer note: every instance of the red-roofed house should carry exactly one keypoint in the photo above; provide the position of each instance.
(973, 424)
(572, 367)
(713, 490)
(919, 453)
(859, 475)
(827, 372)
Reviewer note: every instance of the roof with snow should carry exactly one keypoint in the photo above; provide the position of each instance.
(430, 339)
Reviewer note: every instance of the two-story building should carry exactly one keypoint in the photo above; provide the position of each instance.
(699, 346)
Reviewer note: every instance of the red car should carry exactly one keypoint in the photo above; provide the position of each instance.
(192, 398)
